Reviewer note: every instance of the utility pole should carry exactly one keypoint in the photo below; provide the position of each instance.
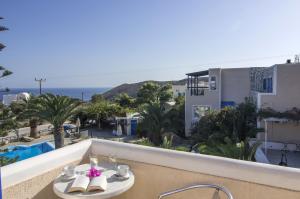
(40, 83)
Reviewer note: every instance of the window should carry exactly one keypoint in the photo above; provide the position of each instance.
(268, 85)
(199, 111)
(213, 83)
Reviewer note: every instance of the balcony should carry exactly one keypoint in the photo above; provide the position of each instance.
(197, 83)
(156, 171)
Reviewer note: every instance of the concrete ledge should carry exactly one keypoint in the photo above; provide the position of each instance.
(271, 175)
(26, 169)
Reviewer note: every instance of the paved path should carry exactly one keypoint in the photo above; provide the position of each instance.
(26, 130)
(93, 132)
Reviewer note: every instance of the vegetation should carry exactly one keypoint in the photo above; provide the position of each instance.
(100, 110)
(20, 110)
(97, 98)
(293, 114)
(157, 119)
(154, 122)
(151, 93)
(167, 144)
(235, 123)
(145, 142)
(56, 110)
(241, 150)
(222, 133)
(3, 72)
(125, 101)
(226, 132)
(6, 161)
(176, 116)
(8, 121)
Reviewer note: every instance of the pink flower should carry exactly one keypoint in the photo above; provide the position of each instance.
(93, 172)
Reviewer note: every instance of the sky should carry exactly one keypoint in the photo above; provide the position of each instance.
(104, 43)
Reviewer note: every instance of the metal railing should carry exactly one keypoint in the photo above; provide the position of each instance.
(200, 186)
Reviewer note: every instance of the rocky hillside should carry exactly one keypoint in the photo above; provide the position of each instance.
(131, 89)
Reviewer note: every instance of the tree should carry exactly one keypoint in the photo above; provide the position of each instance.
(56, 110)
(235, 123)
(245, 119)
(124, 100)
(153, 93)
(21, 108)
(97, 98)
(177, 117)
(17, 107)
(3, 72)
(154, 122)
(102, 110)
(7, 120)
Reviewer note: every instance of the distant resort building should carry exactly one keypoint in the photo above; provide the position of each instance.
(178, 90)
(275, 88)
(8, 99)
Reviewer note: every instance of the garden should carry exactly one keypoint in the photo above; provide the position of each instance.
(225, 133)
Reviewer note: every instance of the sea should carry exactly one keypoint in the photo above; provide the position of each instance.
(78, 93)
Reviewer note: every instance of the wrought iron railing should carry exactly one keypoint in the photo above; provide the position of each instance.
(200, 186)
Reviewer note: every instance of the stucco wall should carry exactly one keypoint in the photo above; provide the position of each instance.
(39, 187)
(235, 84)
(206, 100)
(283, 132)
(287, 93)
(156, 170)
(210, 98)
(151, 180)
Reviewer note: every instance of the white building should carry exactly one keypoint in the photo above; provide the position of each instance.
(8, 99)
(178, 90)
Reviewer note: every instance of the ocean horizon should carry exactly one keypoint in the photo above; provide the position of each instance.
(71, 92)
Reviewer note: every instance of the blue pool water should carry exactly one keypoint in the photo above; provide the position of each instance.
(24, 152)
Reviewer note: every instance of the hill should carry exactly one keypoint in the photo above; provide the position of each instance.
(131, 89)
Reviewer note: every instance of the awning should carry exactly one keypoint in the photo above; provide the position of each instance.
(200, 73)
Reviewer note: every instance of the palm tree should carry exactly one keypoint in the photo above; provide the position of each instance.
(155, 122)
(56, 110)
(24, 106)
(4, 72)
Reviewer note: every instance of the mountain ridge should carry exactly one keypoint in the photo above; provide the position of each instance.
(132, 88)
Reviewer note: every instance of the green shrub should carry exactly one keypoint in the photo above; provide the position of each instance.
(6, 161)
(144, 142)
(234, 123)
(241, 150)
(182, 148)
(167, 142)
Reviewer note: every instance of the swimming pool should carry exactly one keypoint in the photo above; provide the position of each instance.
(23, 152)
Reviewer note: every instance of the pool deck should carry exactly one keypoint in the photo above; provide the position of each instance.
(293, 157)
(93, 132)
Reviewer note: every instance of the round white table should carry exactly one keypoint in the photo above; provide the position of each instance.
(115, 186)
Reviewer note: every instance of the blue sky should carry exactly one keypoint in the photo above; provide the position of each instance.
(96, 43)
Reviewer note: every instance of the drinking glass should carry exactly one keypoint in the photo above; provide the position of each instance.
(113, 160)
(93, 160)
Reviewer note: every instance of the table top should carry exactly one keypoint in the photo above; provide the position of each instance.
(114, 186)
